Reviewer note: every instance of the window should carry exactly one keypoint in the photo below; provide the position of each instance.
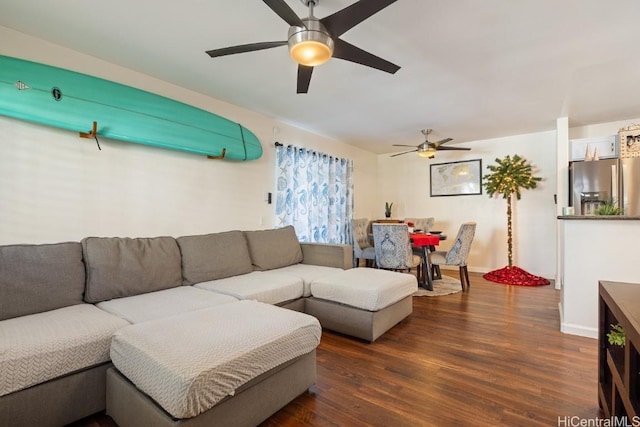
(314, 194)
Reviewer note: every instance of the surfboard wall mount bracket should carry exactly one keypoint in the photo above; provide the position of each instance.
(220, 157)
(93, 133)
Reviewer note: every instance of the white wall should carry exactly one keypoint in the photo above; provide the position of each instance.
(585, 266)
(562, 189)
(404, 180)
(55, 186)
(599, 129)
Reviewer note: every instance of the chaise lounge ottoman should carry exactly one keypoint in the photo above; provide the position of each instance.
(362, 302)
(232, 364)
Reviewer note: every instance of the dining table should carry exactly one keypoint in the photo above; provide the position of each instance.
(426, 242)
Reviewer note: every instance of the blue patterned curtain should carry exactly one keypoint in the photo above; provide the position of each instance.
(314, 194)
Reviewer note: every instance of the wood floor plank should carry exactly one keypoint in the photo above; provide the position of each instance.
(493, 356)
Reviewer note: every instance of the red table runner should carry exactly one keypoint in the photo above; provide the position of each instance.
(421, 239)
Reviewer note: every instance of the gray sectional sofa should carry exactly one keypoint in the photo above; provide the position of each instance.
(63, 308)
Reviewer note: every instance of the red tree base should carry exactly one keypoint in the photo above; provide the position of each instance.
(515, 276)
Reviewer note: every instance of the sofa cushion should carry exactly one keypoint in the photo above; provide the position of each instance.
(37, 278)
(202, 365)
(43, 346)
(165, 303)
(263, 286)
(274, 248)
(120, 267)
(365, 288)
(307, 273)
(214, 256)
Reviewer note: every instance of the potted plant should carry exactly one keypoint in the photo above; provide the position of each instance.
(610, 207)
(617, 340)
(616, 336)
(387, 209)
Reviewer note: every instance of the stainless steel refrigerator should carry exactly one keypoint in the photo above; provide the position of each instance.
(595, 182)
(630, 186)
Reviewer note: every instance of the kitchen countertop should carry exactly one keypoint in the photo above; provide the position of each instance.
(600, 217)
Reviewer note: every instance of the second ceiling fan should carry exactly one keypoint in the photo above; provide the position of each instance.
(428, 149)
(314, 41)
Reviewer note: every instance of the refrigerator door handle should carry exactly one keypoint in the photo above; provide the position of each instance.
(614, 185)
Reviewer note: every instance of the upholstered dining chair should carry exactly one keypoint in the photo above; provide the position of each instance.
(422, 224)
(393, 248)
(458, 253)
(361, 247)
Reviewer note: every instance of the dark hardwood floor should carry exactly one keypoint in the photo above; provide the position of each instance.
(493, 356)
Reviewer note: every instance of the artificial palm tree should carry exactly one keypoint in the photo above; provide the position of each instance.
(508, 177)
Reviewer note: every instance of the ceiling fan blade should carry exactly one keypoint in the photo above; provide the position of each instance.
(453, 148)
(442, 141)
(347, 18)
(283, 10)
(400, 154)
(304, 78)
(402, 145)
(244, 48)
(349, 52)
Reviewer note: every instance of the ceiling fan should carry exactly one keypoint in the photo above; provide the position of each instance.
(314, 41)
(428, 149)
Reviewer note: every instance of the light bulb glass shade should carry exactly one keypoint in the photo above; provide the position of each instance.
(310, 53)
(312, 45)
(429, 153)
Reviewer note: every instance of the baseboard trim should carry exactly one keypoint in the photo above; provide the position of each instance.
(579, 330)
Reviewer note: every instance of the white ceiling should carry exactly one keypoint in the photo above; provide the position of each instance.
(471, 69)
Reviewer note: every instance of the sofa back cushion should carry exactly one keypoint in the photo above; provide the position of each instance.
(276, 248)
(214, 256)
(37, 278)
(120, 267)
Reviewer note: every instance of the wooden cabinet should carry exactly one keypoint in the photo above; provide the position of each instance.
(619, 367)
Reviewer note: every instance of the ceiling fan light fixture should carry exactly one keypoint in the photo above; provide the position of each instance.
(310, 46)
(310, 53)
(429, 152)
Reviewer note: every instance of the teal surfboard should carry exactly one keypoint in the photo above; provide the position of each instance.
(69, 100)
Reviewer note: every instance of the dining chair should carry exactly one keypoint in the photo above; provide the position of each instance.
(393, 248)
(458, 254)
(422, 224)
(362, 249)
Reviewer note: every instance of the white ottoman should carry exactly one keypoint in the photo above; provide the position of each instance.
(362, 302)
(210, 366)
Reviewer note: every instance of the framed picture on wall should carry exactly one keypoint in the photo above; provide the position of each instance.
(456, 178)
(629, 138)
